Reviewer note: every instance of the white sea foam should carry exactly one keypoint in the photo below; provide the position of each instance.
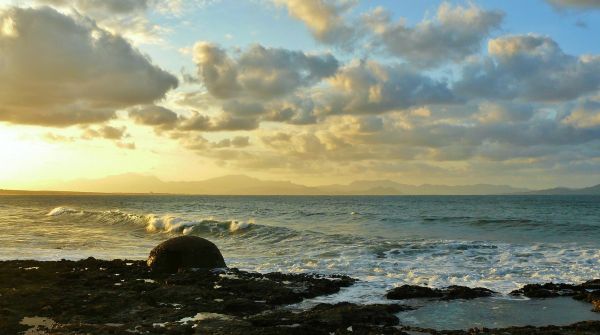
(175, 224)
(239, 225)
(160, 223)
(61, 210)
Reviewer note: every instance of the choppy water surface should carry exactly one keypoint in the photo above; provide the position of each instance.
(499, 242)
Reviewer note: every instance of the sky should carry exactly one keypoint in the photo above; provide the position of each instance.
(310, 91)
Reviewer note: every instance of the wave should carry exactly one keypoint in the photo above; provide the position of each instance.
(61, 210)
(160, 223)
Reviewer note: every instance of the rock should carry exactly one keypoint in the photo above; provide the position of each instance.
(592, 297)
(333, 318)
(449, 293)
(185, 252)
(463, 292)
(548, 290)
(591, 284)
(412, 292)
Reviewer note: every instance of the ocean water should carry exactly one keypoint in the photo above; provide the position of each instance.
(498, 242)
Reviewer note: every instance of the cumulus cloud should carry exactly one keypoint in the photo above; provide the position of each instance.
(105, 132)
(370, 87)
(224, 122)
(531, 68)
(584, 115)
(454, 33)
(578, 4)
(109, 6)
(152, 115)
(211, 148)
(259, 72)
(325, 19)
(85, 73)
(127, 18)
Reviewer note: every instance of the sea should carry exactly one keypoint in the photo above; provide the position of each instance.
(497, 242)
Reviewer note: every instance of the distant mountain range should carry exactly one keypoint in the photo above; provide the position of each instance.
(593, 190)
(243, 185)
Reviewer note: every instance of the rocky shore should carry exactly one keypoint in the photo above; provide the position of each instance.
(93, 296)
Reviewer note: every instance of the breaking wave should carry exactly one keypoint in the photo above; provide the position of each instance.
(160, 223)
(61, 210)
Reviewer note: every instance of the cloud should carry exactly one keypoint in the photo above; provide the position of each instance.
(107, 6)
(51, 137)
(577, 4)
(224, 122)
(530, 68)
(126, 145)
(369, 87)
(105, 132)
(259, 72)
(454, 33)
(85, 73)
(211, 148)
(325, 20)
(152, 115)
(128, 18)
(584, 115)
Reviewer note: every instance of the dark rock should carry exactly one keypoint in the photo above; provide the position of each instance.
(449, 293)
(329, 318)
(588, 291)
(185, 252)
(548, 290)
(463, 292)
(105, 294)
(412, 292)
(592, 297)
(591, 284)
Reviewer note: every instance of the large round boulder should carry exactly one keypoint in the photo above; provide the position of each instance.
(185, 252)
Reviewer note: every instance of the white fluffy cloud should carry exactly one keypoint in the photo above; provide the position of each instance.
(58, 70)
(128, 18)
(530, 68)
(259, 72)
(454, 33)
(366, 87)
(325, 19)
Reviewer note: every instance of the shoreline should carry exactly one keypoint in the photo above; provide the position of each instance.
(118, 296)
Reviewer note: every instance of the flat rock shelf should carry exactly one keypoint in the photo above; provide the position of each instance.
(93, 296)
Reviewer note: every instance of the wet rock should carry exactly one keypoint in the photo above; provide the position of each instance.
(448, 293)
(580, 328)
(463, 292)
(412, 292)
(185, 252)
(334, 318)
(591, 284)
(548, 290)
(105, 294)
(593, 297)
(588, 291)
